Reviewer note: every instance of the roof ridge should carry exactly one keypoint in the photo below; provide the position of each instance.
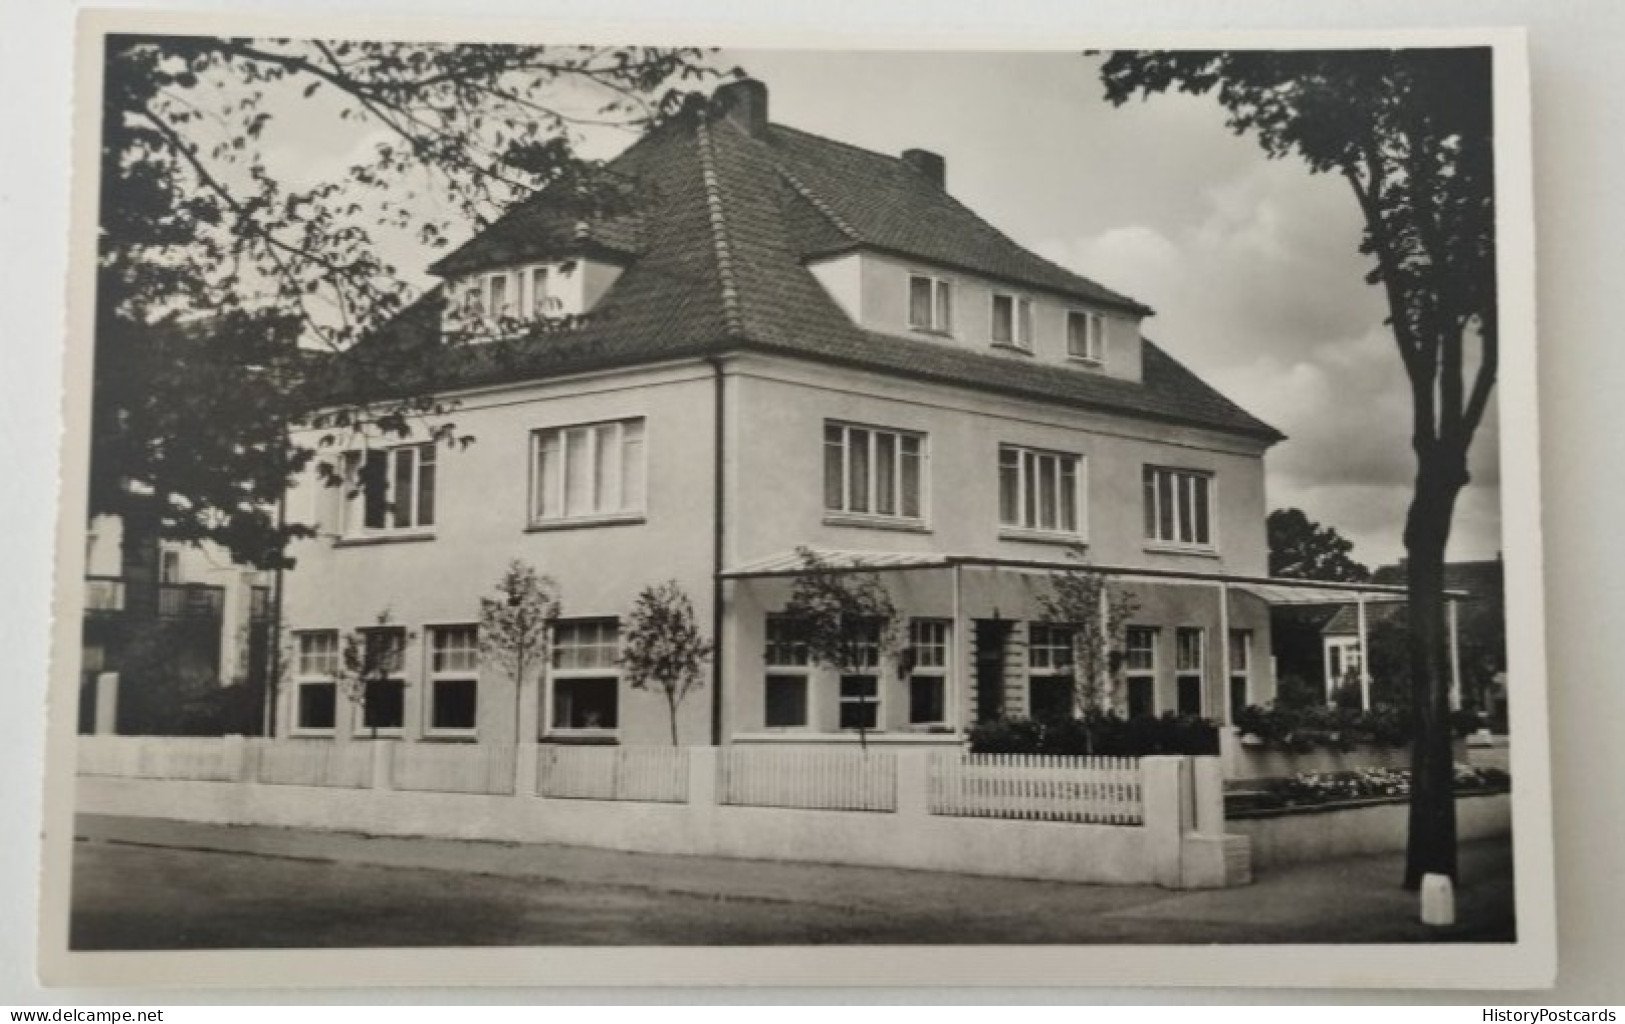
(816, 201)
(712, 185)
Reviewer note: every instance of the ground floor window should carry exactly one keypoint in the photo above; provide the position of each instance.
(318, 706)
(1142, 697)
(1241, 660)
(316, 664)
(860, 702)
(1049, 671)
(785, 702)
(1188, 670)
(586, 686)
(585, 703)
(385, 705)
(785, 656)
(453, 679)
(1140, 670)
(928, 680)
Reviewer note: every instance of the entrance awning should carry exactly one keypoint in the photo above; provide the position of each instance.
(1272, 590)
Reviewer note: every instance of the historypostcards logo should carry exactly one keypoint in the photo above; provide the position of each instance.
(1543, 1015)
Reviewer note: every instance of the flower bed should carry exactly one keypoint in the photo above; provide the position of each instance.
(1361, 786)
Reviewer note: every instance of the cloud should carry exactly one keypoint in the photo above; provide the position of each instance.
(1263, 294)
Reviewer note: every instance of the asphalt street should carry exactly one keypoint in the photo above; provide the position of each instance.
(148, 884)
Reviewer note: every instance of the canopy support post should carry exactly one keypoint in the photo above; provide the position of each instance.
(1365, 660)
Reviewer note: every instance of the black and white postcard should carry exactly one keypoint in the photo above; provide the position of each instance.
(545, 505)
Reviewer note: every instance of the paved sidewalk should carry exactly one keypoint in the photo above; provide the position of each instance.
(1352, 900)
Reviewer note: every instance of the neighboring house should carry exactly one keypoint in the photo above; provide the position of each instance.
(210, 627)
(773, 340)
(1477, 622)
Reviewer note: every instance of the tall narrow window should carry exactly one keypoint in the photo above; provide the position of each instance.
(1140, 670)
(396, 489)
(1050, 682)
(1039, 490)
(1085, 336)
(1178, 506)
(383, 704)
(1241, 661)
(587, 471)
(930, 304)
(928, 680)
(315, 686)
(453, 680)
(788, 665)
(1188, 646)
(872, 472)
(860, 695)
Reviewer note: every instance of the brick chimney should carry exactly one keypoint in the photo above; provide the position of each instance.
(745, 104)
(929, 164)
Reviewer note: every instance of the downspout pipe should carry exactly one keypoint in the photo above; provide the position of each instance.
(718, 535)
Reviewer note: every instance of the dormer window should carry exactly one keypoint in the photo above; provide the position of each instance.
(930, 304)
(1013, 321)
(1085, 336)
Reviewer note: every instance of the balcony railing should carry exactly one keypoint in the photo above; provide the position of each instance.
(109, 594)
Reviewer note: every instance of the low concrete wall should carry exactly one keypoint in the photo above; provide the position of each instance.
(1174, 849)
(1305, 834)
(1244, 762)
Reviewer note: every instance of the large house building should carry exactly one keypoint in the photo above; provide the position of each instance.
(770, 341)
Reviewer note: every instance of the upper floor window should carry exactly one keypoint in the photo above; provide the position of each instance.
(1039, 490)
(868, 471)
(1085, 335)
(587, 471)
(1013, 321)
(397, 489)
(1178, 506)
(930, 303)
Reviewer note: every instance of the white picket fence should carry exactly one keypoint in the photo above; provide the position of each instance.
(314, 763)
(453, 768)
(1102, 790)
(655, 774)
(1037, 787)
(812, 779)
(203, 758)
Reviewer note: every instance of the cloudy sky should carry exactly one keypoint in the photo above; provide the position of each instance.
(1251, 264)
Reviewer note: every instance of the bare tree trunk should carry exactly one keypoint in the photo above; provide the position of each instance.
(671, 706)
(1431, 848)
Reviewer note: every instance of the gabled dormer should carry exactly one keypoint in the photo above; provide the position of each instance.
(548, 260)
(509, 298)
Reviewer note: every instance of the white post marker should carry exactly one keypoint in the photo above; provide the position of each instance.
(1438, 901)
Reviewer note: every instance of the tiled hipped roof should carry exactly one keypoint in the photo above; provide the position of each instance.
(716, 260)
